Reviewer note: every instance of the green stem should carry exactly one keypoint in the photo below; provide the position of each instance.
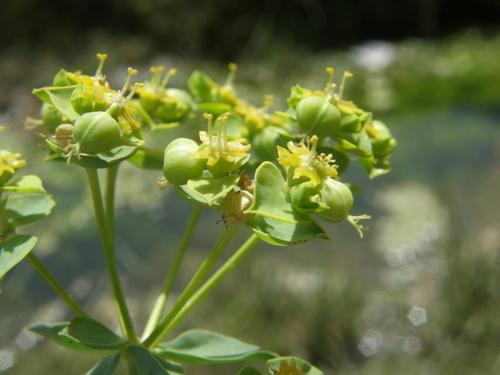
(109, 254)
(211, 283)
(55, 285)
(172, 272)
(109, 198)
(194, 284)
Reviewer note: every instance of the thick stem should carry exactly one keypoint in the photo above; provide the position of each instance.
(194, 284)
(107, 243)
(55, 285)
(210, 284)
(172, 272)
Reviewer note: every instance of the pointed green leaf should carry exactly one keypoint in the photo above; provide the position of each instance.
(59, 97)
(13, 250)
(142, 362)
(93, 334)
(57, 332)
(200, 346)
(209, 191)
(106, 366)
(307, 369)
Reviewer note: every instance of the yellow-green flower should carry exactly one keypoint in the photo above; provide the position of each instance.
(306, 162)
(10, 161)
(216, 148)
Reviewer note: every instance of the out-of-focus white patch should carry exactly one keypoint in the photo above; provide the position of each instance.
(374, 56)
(417, 315)
(25, 340)
(7, 359)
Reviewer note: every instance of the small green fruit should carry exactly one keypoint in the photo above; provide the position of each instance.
(51, 117)
(338, 198)
(180, 163)
(96, 132)
(304, 197)
(316, 115)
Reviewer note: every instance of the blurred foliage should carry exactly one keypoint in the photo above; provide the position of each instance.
(225, 28)
(419, 295)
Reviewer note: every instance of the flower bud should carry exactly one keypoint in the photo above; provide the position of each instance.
(337, 197)
(180, 163)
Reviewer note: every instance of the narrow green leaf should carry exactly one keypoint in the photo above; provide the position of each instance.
(25, 208)
(57, 332)
(307, 369)
(59, 97)
(106, 366)
(143, 362)
(13, 250)
(93, 334)
(199, 346)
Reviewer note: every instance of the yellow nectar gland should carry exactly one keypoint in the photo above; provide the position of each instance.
(306, 162)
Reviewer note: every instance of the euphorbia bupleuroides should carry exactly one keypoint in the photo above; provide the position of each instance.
(277, 173)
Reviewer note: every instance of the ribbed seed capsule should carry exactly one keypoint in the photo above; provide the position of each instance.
(96, 132)
(180, 163)
(338, 198)
(316, 115)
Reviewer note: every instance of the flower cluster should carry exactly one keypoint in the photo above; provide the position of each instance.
(279, 173)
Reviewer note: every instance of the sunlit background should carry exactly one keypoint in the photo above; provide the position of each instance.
(420, 294)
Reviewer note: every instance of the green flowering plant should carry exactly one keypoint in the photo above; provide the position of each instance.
(279, 174)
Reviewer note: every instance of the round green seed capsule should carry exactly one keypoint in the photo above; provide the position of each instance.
(316, 115)
(96, 132)
(180, 163)
(51, 117)
(338, 198)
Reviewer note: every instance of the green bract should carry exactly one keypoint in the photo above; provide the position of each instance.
(96, 132)
(180, 162)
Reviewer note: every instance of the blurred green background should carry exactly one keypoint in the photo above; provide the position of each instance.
(420, 294)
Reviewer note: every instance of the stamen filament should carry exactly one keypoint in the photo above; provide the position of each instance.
(171, 72)
(102, 58)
